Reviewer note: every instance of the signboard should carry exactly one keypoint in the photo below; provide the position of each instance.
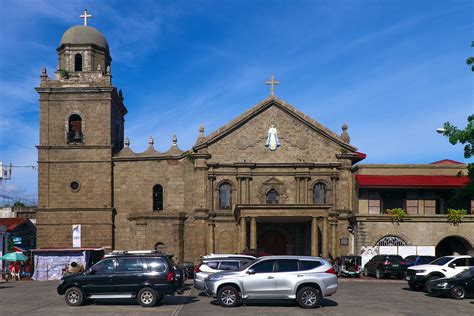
(16, 240)
(406, 251)
(388, 250)
(76, 236)
(426, 250)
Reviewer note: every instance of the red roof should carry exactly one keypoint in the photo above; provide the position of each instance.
(446, 162)
(11, 223)
(411, 181)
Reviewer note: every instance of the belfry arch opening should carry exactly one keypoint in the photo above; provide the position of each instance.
(453, 245)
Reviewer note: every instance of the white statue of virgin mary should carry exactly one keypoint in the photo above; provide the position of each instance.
(272, 139)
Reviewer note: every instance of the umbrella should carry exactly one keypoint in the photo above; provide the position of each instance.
(14, 256)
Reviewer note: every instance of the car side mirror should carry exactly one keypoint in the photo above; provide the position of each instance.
(452, 265)
(91, 271)
(250, 271)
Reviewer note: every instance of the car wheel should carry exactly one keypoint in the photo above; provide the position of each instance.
(147, 297)
(308, 297)
(458, 292)
(415, 287)
(74, 296)
(378, 274)
(228, 296)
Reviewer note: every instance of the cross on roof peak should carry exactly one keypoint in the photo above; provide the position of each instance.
(85, 16)
(272, 84)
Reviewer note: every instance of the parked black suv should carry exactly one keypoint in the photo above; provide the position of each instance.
(146, 277)
(385, 265)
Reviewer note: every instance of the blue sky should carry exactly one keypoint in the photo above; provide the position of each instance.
(393, 70)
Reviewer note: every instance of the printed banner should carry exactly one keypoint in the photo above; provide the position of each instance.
(76, 236)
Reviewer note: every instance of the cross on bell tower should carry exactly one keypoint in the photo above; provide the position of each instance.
(272, 84)
(85, 16)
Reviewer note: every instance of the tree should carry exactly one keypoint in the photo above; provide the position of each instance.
(470, 60)
(466, 137)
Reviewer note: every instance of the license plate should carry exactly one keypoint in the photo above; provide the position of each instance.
(395, 265)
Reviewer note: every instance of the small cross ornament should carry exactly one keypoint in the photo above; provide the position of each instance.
(85, 16)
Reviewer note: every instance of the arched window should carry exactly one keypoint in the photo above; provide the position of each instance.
(74, 134)
(225, 196)
(78, 62)
(157, 198)
(391, 240)
(319, 193)
(272, 197)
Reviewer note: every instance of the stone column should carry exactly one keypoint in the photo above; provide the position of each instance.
(253, 233)
(211, 193)
(297, 200)
(333, 239)
(314, 237)
(333, 187)
(243, 233)
(325, 238)
(239, 190)
(306, 180)
(247, 185)
(210, 243)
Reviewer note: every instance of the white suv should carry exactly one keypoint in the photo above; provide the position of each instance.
(444, 267)
(216, 263)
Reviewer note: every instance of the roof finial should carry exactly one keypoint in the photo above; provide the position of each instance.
(127, 142)
(85, 16)
(201, 130)
(272, 84)
(175, 140)
(345, 135)
(150, 141)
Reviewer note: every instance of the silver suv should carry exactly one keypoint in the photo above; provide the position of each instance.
(304, 279)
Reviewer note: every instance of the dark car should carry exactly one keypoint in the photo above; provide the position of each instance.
(386, 265)
(188, 268)
(457, 287)
(348, 266)
(146, 277)
(417, 260)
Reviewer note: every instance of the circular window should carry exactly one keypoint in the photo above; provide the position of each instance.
(74, 186)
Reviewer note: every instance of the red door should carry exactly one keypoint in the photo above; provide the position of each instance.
(273, 242)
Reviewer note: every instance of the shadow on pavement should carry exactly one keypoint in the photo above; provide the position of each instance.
(5, 286)
(278, 303)
(168, 300)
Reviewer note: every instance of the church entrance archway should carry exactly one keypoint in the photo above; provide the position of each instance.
(273, 242)
(453, 245)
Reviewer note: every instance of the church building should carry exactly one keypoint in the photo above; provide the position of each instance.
(272, 178)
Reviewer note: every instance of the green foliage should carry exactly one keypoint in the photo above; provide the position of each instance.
(455, 216)
(64, 73)
(470, 60)
(397, 214)
(19, 204)
(466, 137)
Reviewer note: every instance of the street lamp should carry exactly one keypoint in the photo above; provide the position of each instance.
(440, 130)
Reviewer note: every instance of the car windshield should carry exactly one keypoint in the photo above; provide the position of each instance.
(466, 273)
(442, 261)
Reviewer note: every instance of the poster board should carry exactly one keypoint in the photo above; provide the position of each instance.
(426, 250)
(388, 250)
(76, 236)
(405, 251)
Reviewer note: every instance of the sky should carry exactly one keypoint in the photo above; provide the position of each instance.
(393, 70)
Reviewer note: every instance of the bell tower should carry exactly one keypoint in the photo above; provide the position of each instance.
(81, 128)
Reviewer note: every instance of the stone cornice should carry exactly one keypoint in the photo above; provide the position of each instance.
(410, 218)
(74, 146)
(275, 165)
(155, 215)
(74, 209)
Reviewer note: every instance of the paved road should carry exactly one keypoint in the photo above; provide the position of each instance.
(354, 297)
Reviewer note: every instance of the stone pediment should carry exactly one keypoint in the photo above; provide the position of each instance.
(273, 181)
(299, 118)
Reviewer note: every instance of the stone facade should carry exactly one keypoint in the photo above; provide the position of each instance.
(96, 180)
